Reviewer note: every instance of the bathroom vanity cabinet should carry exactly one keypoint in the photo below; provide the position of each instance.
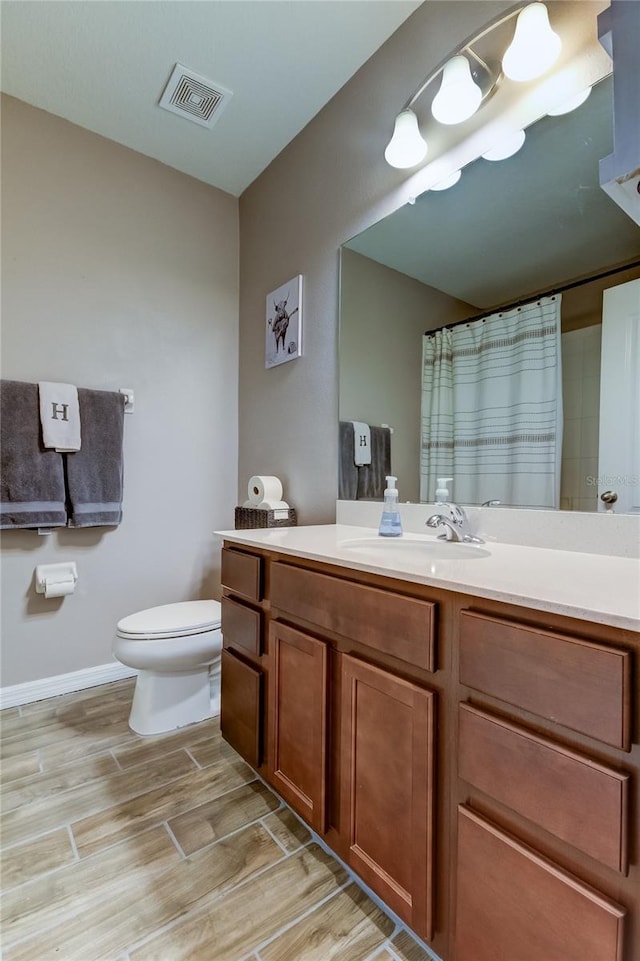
(329, 690)
(474, 762)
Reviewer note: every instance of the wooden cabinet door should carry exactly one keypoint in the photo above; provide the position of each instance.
(298, 721)
(241, 707)
(387, 750)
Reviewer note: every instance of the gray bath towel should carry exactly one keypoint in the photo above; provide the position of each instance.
(372, 478)
(32, 492)
(347, 470)
(94, 473)
(367, 482)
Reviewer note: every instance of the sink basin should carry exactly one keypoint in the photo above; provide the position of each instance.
(412, 548)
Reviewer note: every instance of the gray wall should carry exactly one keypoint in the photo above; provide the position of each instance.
(383, 316)
(119, 272)
(329, 184)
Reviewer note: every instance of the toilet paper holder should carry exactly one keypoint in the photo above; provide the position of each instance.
(48, 576)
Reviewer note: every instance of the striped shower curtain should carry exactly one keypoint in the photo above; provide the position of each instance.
(492, 408)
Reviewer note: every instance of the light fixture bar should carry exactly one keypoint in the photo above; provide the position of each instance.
(465, 47)
(466, 85)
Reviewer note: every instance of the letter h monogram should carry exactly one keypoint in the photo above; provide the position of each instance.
(59, 409)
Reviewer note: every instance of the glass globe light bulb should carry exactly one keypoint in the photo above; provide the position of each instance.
(407, 146)
(535, 46)
(459, 96)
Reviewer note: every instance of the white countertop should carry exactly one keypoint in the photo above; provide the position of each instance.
(592, 587)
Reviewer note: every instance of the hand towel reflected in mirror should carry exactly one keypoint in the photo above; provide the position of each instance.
(368, 481)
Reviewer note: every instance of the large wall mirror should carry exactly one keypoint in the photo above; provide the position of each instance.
(506, 232)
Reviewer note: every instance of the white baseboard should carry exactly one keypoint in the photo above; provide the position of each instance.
(45, 687)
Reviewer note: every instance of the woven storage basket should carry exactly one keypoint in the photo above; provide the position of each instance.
(250, 518)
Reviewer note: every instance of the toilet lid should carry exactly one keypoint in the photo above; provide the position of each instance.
(185, 617)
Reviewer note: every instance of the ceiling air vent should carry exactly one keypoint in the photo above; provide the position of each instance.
(193, 97)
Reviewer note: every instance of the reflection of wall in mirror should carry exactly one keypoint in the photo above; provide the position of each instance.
(383, 316)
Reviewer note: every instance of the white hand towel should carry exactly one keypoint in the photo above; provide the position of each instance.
(59, 416)
(361, 444)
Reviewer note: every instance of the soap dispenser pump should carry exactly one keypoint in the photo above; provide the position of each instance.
(442, 492)
(390, 523)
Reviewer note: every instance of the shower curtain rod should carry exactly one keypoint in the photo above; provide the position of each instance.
(534, 297)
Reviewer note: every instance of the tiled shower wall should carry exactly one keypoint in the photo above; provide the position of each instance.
(581, 398)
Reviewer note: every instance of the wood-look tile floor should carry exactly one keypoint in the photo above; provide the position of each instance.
(121, 848)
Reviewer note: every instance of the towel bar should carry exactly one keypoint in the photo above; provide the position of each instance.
(128, 399)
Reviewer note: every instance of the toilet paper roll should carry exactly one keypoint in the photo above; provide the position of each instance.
(273, 506)
(262, 488)
(59, 588)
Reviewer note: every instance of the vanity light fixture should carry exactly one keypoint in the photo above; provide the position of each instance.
(407, 146)
(535, 46)
(506, 147)
(468, 82)
(571, 104)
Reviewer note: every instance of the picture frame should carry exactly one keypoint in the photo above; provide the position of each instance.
(283, 323)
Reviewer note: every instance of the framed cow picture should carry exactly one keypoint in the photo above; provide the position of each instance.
(283, 323)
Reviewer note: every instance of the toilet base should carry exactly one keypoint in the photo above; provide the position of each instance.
(163, 702)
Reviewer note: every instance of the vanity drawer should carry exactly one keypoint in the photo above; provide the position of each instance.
(574, 798)
(241, 707)
(241, 626)
(571, 681)
(243, 573)
(390, 623)
(531, 908)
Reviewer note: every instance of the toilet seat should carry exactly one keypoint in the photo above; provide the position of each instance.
(182, 619)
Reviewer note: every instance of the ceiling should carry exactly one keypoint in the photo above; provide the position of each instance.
(103, 66)
(520, 226)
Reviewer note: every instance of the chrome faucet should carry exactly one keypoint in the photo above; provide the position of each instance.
(455, 523)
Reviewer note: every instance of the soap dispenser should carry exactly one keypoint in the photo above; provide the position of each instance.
(390, 523)
(442, 493)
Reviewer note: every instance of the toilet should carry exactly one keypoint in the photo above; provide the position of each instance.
(176, 650)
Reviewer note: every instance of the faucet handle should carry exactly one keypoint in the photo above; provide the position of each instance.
(434, 520)
(456, 514)
(473, 539)
(439, 520)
